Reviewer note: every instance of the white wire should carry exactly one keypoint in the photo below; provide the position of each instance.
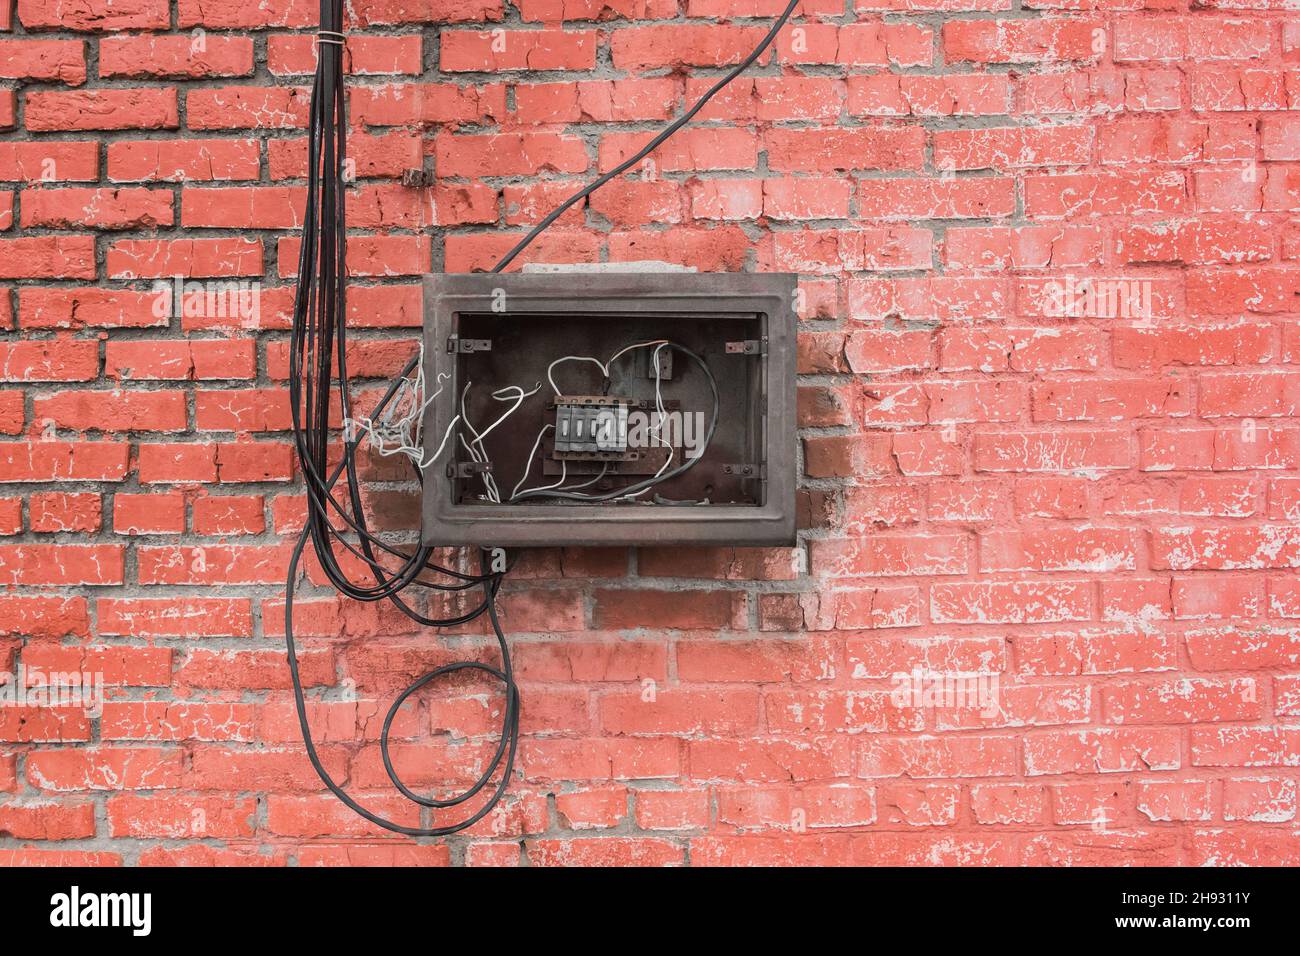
(603, 366)
(479, 456)
(564, 474)
(587, 484)
(572, 358)
(656, 429)
(401, 435)
(638, 345)
(476, 449)
(519, 400)
(528, 465)
(441, 445)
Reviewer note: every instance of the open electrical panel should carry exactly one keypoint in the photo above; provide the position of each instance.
(609, 407)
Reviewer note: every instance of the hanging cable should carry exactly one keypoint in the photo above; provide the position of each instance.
(318, 376)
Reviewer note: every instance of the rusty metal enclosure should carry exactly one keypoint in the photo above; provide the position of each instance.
(489, 331)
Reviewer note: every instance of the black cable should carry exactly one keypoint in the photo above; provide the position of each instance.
(509, 722)
(654, 144)
(318, 370)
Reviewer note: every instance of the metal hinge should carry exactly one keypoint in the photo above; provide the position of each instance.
(748, 347)
(746, 471)
(464, 346)
(468, 469)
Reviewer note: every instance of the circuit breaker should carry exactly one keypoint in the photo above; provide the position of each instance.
(591, 428)
(608, 407)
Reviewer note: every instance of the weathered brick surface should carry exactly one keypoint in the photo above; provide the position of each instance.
(1049, 406)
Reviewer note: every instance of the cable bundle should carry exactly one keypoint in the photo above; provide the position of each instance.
(318, 372)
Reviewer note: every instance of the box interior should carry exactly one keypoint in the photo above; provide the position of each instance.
(525, 344)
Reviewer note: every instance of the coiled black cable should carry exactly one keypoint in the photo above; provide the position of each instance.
(318, 369)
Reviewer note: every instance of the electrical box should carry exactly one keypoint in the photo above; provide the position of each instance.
(606, 407)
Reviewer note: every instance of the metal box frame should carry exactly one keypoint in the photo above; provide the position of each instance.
(678, 296)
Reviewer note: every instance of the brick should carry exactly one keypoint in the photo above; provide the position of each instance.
(1224, 548)
(104, 768)
(174, 818)
(472, 51)
(102, 109)
(51, 360)
(64, 15)
(61, 564)
(48, 257)
(428, 103)
(1000, 804)
(672, 809)
(53, 512)
(167, 721)
(289, 55)
(31, 723)
(167, 617)
(96, 208)
(61, 61)
(88, 308)
(508, 154)
(1189, 700)
(181, 160)
(1010, 148)
(604, 851)
(148, 514)
(246, 107)
(1259, 800)
(841, 150)
(1277, 746)
(1260, 847)
(54, 460)
(680, 712)
(685, 610)
(935, 199)
(191, 258)
(918, 758)
(892, 555)
(1100, 751)
(1059, 451)
(49, 161)
(175, 56)
(116, 666)
(1019, 41)
(113, 411)
(815, 807)
(1073, 195)
(1010, 602)
(885, 94)
(44, 617)
(248, 564)
(42, 820)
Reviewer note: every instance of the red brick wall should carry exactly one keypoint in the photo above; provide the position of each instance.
(1094, 503)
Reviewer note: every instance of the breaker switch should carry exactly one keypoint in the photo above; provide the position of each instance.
(591, 426)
